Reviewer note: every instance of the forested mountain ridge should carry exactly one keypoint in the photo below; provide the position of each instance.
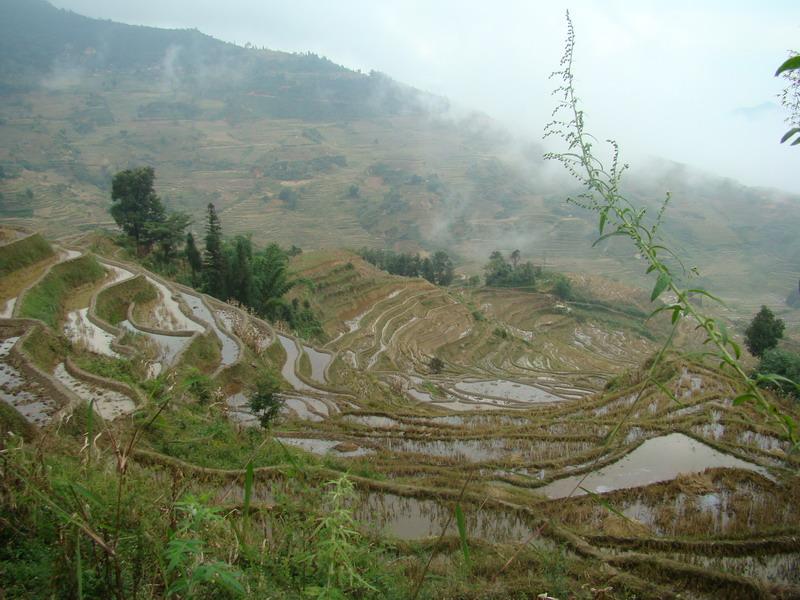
(294, 148)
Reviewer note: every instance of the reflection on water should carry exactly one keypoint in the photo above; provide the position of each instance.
(657, 459)
(316, 446)
(775, 568)
(412, 518)
(319, 363)
(373, 420)
(169, 346)
(509, 390)
(29, 398)
(230, 349)
(8, 309)
(168, 314)
(81, 331)
(291, 359)
(303, 408)
(109, 404)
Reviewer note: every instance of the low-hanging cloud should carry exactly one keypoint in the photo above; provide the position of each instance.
(663, 79)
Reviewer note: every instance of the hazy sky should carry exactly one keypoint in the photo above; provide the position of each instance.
(686, 80)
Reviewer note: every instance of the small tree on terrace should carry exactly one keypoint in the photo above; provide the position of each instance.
(436, 365)
(264, 400)
(442, 268)
(763, 332)
(135, 205)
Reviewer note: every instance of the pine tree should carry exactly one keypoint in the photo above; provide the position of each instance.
(193, 257)
(214, 267)
(241, 272)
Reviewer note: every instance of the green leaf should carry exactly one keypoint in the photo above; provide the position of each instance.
(608, 235)
(668, 393)
(743, 398)
(737, 349)
(789, 65)
(604, 217)
(707, 294)
(790, 133)
(606, 504)
(661, 284)
(462, 533)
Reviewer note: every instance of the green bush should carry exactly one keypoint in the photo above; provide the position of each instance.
(264, 400)
(784, 363)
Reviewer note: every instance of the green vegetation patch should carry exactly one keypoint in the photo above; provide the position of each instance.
(23, 253)
(45, 349)
(46, 300)
(12, 421)
(112, 303)
(203, 353)
(118, 369)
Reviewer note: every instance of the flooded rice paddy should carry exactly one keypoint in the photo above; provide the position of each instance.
(412, 518)
(322, 446)
(109, 404)
(657, 459)
(167, 314)
(320, 361)
(29, 398)
(81, 331)
(508, 390)
(288, 369)
(169, 346)
(8, 309)
(230, 349)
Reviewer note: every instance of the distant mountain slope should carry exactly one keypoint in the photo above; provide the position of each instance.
(38, 40)
(295, 149)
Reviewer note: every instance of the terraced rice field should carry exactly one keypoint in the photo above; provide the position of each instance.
(521, 413)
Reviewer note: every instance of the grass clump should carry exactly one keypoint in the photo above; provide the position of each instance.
(22, 253)
(46, 300)
(112, 303)
(202, 354)
(118, 369)
(45, 349)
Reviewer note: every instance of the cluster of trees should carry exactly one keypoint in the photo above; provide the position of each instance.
(259, 279)
(437, 269)
(141, 215)
(761, 338)
(499, 272)
(228, 269)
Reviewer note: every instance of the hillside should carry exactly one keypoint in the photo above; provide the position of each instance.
(520, 411)
(295, 149)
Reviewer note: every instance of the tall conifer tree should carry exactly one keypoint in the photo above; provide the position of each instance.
(214, 271)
